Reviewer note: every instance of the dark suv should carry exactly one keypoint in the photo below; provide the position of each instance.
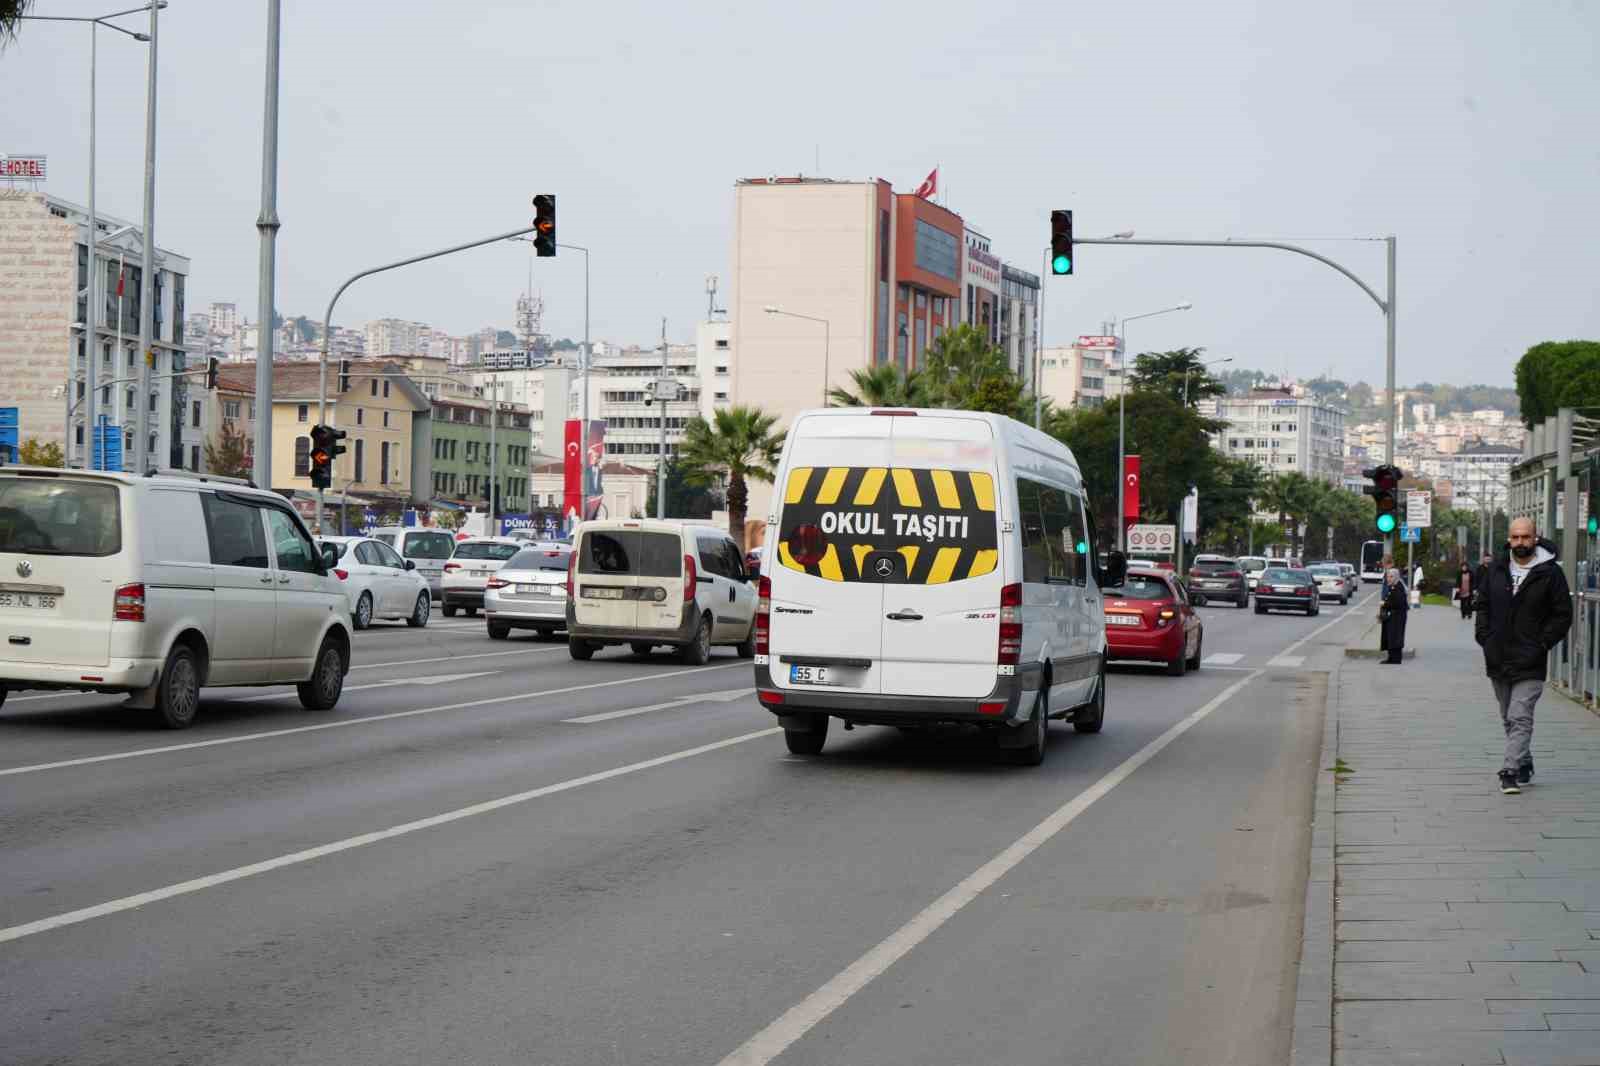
(1217, 577)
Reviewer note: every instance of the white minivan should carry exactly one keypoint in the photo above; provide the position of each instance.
(646, 583)
(930, 567)
(161, 585)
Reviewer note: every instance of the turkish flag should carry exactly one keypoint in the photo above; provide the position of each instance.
(119, 282)
(1130, 488)
(930, 185)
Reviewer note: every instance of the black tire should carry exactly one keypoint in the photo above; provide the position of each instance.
(641, 648)
(808, 741)
(321, 691)
(1244, 601)
(1037, 729)
(580, 650)
(1095, 719)
(498, 632)
(1176, 666)
(747, 646)
(1199, 651)
(698, 651)
(2, 697)
(178, 691)
(545, 634)
(419, 613)
(361, 617)
(449, 610)
(470, 611)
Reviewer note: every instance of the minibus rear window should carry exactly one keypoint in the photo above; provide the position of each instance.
(59, 516)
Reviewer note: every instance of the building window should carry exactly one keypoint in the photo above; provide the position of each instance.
(936, 251)
(383, 472)
(302, 413)
(386, 413)
(361, 460)
(922, 300)
(902, 337)
(386, 388)
(922, 338)
(230, 408)
(361, 416)
(938, 305)
(194, 457)
(194, 413)
(302, 457)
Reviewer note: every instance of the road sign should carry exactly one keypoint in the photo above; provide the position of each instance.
(1410, 534)
(663, 390)
(1156, 539)
(1419, 509)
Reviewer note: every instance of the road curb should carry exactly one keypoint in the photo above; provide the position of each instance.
(1364, 646)
(1312, 1040)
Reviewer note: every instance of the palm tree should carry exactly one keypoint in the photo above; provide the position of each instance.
(11, 12)
(738, 443)
(884, 385)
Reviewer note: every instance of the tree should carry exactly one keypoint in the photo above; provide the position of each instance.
(683, 499)
(965, 371)
(504, 338)
(11, 12)
(1166, 372)
(1557, 374)
(229, 454)
(739, 443)
(884, 385)
(40, 453)
(1295, 498)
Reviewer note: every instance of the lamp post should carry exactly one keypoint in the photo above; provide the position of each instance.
(827, 342)
(91, 317)
(1190, 370)
(1122, 406)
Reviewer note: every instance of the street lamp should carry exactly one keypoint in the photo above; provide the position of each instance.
(1122, 405)
(827, 342)
(92, 317)
(1190, 370)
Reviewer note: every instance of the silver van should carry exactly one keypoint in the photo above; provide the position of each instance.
(430, 549)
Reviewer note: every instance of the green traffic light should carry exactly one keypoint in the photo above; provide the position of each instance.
(1386, 523)
(1594, 525)
(1060, 264)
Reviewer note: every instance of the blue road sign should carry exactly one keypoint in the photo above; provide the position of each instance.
(1410, 534)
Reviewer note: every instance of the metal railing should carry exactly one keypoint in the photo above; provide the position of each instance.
(1575, 662)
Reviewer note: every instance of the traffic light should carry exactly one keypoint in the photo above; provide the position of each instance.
(321, 457)
(1594, 525)
(544, 225)
(211, 372)
(344, 375)
(1384, 491)
(1061, 242)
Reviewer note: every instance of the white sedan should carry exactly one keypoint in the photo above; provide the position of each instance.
(380, 584)
(475, 561)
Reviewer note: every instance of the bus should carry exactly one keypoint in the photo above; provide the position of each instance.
(1372, 561)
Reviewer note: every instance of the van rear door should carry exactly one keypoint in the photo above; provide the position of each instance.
(629, 578)
(62, 555)
(942, 613)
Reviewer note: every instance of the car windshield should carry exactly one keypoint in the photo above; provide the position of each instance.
(1140, 587)
(538, 559)
(485, 549)
(59, 516)
(428, 546)
(1215, 566)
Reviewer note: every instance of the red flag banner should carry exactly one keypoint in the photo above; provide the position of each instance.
(930, 185)
(1130, 488)
(120, 274)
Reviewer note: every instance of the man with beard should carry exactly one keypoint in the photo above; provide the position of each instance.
(1523, 609)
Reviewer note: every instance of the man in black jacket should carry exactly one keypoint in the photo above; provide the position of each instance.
(1523, 609)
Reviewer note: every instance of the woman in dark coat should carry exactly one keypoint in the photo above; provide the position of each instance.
(1392, 612)
(1464, 590)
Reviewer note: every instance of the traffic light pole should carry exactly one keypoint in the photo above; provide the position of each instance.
(327, 321)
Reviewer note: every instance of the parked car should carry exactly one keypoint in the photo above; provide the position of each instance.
(467, 574)
(930, 567)
(1252, 565)
(529, 592)
(1283, 589)
(646, 583)
(1217, 577)
(1150, 619)
(380, 584)
(430, 549)
(162, 585)
(1331, 582)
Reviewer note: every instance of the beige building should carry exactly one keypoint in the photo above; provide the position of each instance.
(1073, 376)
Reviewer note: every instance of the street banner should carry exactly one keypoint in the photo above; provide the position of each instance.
(1419, 508)
(582, 494)
(1158, 540)
(1130, 488)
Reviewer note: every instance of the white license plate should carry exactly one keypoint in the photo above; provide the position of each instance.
(28, 600)
(482, 573)
(1121, 620)
(1288, 591)
(812, 675)
(529, 590)
(603, 594)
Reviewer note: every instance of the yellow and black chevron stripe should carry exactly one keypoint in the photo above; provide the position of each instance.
(890, 509)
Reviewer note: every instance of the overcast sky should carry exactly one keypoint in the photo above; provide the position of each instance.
(1471, 130)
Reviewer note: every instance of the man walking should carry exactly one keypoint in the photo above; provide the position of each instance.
(1523, 608)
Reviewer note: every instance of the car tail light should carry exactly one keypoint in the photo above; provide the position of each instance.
(1010, 625)
(1166, 614)
(342, 575)
(763, 614)
(808, 544)
(689, 578)
(1197, 573)
(572, 569)
(450, 567)
(497, 583)
(769, 697)
(128, 604)
(895, 412)
(1301, 590)
(997, 707)
(1233, 574)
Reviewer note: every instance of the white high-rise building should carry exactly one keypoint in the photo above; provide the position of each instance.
(1281, 432)
(224, 317)
(395, 336)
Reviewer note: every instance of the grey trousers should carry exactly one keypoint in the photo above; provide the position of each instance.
(1516, 714)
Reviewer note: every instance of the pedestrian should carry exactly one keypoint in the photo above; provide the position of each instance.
(1464, 588)
(1480, 576)
(1416, 583)
(1392, 610)
(1524, 608)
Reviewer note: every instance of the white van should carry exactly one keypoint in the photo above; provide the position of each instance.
(646, 583)
(161, 585)
(927, 567)
(430, 549)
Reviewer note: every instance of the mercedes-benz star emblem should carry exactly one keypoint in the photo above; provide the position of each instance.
(885, 567)
(24, 569)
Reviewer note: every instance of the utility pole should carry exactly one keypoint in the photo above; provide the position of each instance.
(494, 416)
(661, 460)
(147, 259)
(267, 226)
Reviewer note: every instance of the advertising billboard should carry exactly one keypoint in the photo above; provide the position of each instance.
(583, 493)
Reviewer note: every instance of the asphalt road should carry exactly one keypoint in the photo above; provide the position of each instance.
(449, 867)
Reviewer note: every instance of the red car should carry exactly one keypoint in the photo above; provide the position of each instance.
(1149, 619)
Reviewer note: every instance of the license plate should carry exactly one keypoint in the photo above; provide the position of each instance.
(811, 675)
(1280, 588)
(603, 594)
(1121, 620)
(553, 590)
(529, 590)
(28, 600)
(482, 573)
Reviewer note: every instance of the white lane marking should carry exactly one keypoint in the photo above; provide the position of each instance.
(128, 903)
(357, 721)
(1288, 662)
(709, 697)
(432, 679)
(1222, 658)
(794, 1023)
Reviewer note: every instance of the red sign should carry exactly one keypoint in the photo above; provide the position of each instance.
(1110, 343)
(582, 497)
(30, 167)
(1130, 488)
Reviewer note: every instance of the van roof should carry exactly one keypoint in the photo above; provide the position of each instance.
(1005, 428)
(658, 525)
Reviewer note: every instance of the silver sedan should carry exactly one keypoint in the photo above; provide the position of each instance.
(529, 592)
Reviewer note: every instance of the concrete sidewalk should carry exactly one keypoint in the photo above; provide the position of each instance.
(1465, 925)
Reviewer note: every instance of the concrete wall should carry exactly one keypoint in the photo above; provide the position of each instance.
(38, 270)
